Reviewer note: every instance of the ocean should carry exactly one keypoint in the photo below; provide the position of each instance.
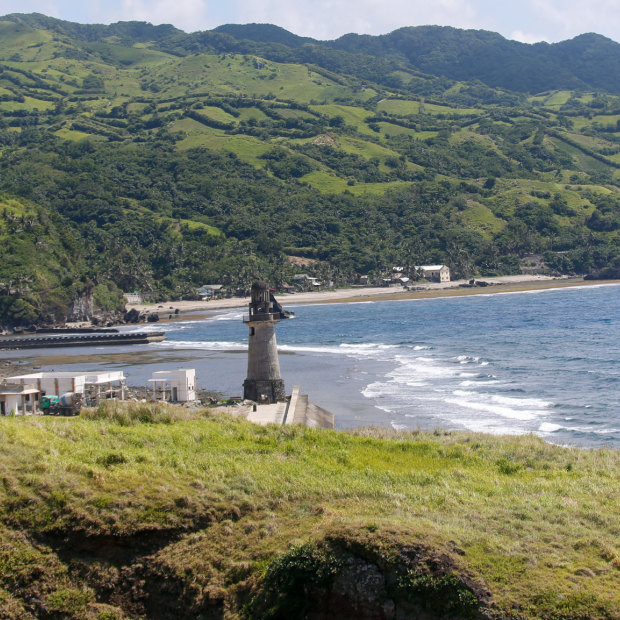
(545, 362)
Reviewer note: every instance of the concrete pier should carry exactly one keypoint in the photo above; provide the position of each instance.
(297, 409)
(79, 340)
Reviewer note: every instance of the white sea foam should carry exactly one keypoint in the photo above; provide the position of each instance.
(521, 402)
(237, 315)
(495, 409)
(371, 346)
(144, 328)
(467, 359)
(470, 383)
(208, 346)
(548, 427)
(350, 350)
(590, 429)
(398, 427)
(374, 390)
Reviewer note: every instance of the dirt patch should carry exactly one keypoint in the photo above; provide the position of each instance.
(325, 139)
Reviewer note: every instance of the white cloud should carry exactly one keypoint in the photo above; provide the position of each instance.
(525, 37)
(523, 20)
(328, 19)
(569, 18)
(188, 15)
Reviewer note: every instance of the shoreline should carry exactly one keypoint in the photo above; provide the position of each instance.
(342, 383)
(503, 284)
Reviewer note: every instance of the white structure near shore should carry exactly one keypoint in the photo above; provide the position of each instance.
(436, 273)
(93, 387)
(19, 399)
(174, 386)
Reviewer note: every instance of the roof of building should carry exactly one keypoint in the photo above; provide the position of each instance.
(9, 389)
(431, 267)
(211, 287)
(91, 377)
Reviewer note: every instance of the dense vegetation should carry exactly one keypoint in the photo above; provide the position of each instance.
(135, 157)
(143, 511)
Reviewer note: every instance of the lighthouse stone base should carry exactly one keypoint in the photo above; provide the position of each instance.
(266, 390)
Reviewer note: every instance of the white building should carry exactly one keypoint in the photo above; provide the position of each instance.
(19, 399)
(133, 298)
(175, 386)
(437, 273)
(93, 387)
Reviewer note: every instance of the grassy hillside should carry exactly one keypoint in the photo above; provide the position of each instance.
(162, 513)
(135, 134)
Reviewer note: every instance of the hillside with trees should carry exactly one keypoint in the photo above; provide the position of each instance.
(139, 157)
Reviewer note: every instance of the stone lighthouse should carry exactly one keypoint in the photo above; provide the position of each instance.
(263, 383)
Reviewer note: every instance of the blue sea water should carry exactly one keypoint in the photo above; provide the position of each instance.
(544, 362)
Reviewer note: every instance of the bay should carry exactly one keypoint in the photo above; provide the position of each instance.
(544, 362)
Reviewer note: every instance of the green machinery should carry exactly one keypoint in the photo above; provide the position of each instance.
(67, 404)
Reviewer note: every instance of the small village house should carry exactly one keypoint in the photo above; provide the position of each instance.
(210, 291)
(19, 399)
(174, 386)
(305, 281)
(435, 273)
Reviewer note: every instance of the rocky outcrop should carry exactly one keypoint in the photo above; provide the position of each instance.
(370, 576)
(132, 316)
(81, 308)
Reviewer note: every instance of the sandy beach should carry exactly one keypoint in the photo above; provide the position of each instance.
(431, 289)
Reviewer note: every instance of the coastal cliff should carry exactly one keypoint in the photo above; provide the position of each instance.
(158, 512)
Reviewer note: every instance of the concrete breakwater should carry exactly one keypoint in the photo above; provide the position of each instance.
(77, 340)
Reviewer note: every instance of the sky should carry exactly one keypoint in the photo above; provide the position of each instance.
(528, 21)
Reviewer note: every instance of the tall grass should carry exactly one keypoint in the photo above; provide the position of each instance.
(129, 414)
(536, 523)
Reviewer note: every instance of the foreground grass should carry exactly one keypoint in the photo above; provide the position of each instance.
(213, 502)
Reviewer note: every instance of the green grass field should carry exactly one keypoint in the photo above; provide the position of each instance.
(352, 115)
(398, 107)
(482, 219)
(558, 99)
(536, 525)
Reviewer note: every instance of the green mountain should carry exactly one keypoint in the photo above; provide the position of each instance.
(172, 159)
(589, 61)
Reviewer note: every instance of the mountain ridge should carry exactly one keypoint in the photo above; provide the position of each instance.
(588, 61)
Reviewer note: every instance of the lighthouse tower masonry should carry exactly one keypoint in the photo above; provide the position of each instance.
(263, 383)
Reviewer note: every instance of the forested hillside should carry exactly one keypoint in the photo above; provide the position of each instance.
(138, 157)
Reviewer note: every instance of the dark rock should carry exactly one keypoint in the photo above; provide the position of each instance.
(359, 592)
(609, 273)
(133, 316)
(153, 317)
